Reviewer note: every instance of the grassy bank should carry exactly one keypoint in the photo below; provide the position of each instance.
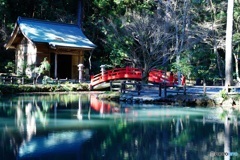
(66, 87)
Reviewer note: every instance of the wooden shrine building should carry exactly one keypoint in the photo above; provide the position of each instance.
(62, 44)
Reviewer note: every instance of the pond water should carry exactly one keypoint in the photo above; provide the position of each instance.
(78, 126)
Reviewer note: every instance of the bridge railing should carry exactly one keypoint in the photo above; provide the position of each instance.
(117, 74)
(160, 76)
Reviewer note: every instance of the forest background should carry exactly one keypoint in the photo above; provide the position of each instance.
(173, 35)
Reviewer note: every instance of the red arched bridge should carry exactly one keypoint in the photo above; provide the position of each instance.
(129, 73)
(160, 76)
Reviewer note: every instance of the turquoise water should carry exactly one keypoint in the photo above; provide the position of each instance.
(78, 126)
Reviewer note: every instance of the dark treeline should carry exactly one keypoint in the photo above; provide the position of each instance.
(180, 35)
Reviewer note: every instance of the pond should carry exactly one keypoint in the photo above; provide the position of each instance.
(79, 126)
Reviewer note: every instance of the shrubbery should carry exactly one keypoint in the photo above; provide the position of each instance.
(11, 88)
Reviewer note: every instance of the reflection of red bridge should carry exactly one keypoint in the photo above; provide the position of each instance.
(99, 105)
(128, 73)
(102, 107)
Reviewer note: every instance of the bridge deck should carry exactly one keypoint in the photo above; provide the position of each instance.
(128, 73)
(117, 74)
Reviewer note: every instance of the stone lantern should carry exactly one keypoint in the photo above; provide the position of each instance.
(80, 69)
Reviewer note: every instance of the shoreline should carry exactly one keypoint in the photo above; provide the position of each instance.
(148, 96)
(213, 100)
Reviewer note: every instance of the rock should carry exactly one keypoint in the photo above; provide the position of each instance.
(228, 103)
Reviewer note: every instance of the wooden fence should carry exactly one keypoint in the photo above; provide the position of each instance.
(24, 80)
(163, 90)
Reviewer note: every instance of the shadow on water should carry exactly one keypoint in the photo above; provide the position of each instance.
(79, 126)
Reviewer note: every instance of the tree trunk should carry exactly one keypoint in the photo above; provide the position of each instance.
(236, 65)
(228, 54)
(215, 43)
(218, 60)
(181, 39)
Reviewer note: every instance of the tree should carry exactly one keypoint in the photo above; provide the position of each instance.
(140, 39)
(151, 39)
(180, 11)
(236, 37)
(207, 55)
(213, 27)
(228, 54)
(150, 42)
(43, 68)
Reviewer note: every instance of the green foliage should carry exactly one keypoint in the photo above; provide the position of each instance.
(236, 97)
(184, 66)
(43, 68)
(10, 67)
(195, 64)
(118, 50)
(117, 44)
(182, 139)
(9, 89)
(13, 89)
(6, 62)
(223, 114)
(223, 94)
(109, 95)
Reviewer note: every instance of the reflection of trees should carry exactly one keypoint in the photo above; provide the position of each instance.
(26, 111)
(229, 116)
(181, 138)
(39, 106)
(9, 143)
(19, 118)
(227, 138)
(64, 98)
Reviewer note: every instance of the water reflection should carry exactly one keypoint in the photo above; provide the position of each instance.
(65, 126)
(227, 138)
(30, 121)
(32, 114)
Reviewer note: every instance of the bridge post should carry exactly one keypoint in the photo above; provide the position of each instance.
(160, 90)
(204, 87)
(139, 87)
(103, 68)
(111, 85)
(165, 90)
(185, 89)
(90, 87)
(80, 69)
(123, 87)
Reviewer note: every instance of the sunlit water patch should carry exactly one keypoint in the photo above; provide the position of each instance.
(54, 143)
